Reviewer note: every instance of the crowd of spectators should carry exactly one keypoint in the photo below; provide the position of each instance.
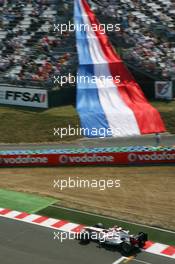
(31, 52)
(147, 36)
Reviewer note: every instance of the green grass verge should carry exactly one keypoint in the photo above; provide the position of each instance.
(90, 220)
(35, 125)
(23, 202)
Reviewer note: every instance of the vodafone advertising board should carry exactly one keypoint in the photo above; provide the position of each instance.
(25, 160)
(23, 97)
(124, 158)
(88, 159)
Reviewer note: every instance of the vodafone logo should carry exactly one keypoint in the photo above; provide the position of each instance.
(63, 159)
(24, 160)
(133, 157)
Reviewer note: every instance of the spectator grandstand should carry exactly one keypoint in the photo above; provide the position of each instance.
(147, 36)
(31, 53)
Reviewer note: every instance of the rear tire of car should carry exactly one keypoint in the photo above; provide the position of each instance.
(85, 239)
(126, 248)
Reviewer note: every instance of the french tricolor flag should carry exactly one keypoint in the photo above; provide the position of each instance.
(120, 109)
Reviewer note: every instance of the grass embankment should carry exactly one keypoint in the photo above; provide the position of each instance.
(34, 125)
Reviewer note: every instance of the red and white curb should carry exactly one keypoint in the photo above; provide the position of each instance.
(44, 221)
(66, 226)
(160, 249)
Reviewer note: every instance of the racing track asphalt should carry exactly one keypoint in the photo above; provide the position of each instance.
(24, 243)
(147, 140)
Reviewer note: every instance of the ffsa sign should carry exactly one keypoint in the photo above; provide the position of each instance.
(24, 97)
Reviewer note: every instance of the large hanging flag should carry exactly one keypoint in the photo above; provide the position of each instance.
(109, 100)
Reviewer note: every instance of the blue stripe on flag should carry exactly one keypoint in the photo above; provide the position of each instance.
(91, 113)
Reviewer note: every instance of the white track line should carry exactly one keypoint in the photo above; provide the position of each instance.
(141, 261)
(119, 260)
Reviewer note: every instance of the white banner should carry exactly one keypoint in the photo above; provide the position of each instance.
(24, 97)
(164, 90)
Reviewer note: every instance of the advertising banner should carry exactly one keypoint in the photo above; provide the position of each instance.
(24, 97)
(125, 158)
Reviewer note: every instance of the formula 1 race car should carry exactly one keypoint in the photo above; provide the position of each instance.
(115, 237)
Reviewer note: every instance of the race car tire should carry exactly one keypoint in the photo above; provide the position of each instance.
(126, 248)
(85, 238)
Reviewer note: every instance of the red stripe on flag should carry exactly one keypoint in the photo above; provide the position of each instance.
(60, 223)
(5, 211)
(148, 244)
(78, 229)
(22, 215)
(170, 251)
(40, 219)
